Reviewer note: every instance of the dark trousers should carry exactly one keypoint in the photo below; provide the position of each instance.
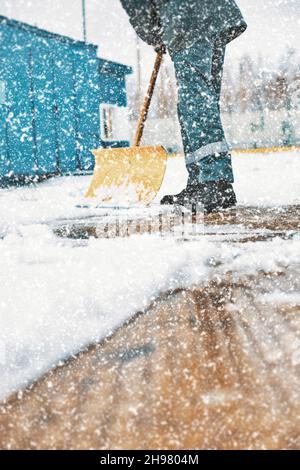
(199, 72)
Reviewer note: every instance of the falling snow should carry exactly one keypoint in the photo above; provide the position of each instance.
(149, 327)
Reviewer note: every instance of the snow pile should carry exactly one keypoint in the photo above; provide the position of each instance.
(52, 200)
(57, 297)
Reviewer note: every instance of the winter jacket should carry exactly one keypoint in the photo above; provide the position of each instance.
(180, 23)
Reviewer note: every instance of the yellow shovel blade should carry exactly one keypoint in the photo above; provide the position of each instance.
(128, 175)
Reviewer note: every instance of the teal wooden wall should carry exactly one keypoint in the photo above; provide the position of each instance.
(51, 90)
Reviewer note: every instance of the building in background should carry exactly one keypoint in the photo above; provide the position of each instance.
(58, 101)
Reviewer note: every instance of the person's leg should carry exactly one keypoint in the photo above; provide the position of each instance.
(199, 76)
(218, 67)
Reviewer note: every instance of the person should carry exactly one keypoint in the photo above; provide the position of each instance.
(196, 33)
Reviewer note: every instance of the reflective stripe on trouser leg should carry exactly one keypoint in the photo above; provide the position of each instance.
(206, 151)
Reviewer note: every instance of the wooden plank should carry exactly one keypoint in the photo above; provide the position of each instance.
(214, 367)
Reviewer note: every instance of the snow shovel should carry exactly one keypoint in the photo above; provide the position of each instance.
(128, 176)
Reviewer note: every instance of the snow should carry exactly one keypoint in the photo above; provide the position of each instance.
(59, 296)
(271, 179)
(281, 298)
(52, 200)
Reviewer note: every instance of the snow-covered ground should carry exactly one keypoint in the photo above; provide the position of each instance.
(270, 179)
(260, 179)
(58, 296)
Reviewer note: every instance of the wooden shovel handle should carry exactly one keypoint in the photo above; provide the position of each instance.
(148, 99)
